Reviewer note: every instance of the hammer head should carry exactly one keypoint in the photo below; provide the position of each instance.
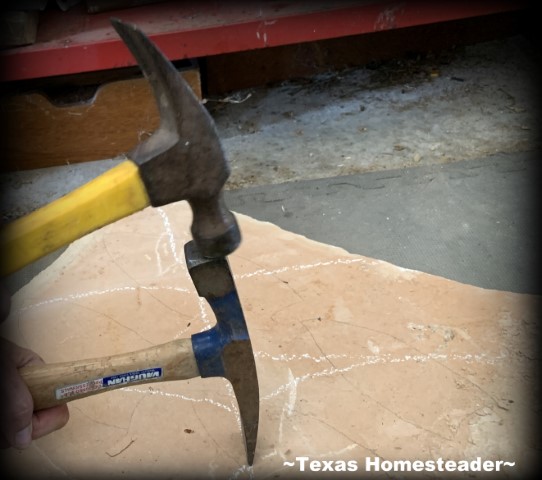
(183, 159)
(226, 350)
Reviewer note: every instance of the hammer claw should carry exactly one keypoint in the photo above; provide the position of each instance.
(186, 133)
(160, 73)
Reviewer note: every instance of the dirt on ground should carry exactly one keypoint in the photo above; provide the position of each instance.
(457, 105)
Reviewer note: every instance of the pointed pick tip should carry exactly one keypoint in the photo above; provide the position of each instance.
(249, 418)
(240, 370)
(250, 434)
(250, 456)
(250, 431)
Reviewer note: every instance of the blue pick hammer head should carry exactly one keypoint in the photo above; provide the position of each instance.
(225, 350)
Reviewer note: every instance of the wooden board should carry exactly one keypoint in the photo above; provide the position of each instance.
(358, 361)
(38, 134)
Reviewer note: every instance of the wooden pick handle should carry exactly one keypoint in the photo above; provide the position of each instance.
(59, 383)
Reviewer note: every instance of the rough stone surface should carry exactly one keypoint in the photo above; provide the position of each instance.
(357, 359)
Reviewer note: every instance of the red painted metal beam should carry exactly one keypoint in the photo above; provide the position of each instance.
(74, 41)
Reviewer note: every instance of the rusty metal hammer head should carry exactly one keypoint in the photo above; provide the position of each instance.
(183, 159)
(226, 350)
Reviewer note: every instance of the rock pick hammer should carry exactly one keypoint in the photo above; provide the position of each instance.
(182, 160)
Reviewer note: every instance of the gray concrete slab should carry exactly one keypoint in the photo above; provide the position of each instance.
(471, 221)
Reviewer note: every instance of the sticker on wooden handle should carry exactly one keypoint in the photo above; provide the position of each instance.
(83, 388)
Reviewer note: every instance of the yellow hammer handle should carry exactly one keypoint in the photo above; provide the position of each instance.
(113, 195)
(58, 383)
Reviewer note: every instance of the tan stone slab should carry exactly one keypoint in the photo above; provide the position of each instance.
(356, 358)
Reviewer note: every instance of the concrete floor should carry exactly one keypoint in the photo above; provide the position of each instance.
(429, 163)
(472, 221)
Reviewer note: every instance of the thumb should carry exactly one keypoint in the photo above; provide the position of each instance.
(16, 404)
(16, 410)
(5, 302)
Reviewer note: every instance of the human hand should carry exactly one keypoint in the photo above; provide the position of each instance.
(19, 424)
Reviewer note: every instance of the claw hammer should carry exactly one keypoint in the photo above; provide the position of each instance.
(182, 160)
